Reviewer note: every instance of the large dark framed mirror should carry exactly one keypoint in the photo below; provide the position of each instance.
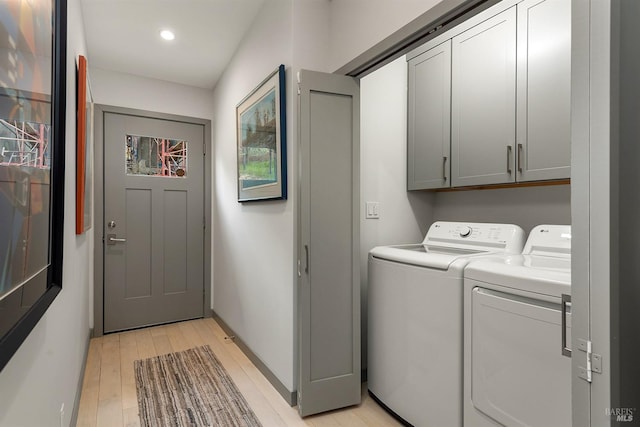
(32, 139)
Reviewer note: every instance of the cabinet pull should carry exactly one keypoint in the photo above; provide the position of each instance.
(306, 265)
(520, 158)
(444, 168)
(509, 158)
(566, 301)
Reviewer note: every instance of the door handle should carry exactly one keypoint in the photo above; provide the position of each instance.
(306, 253)
(509, 148)
(566, 301)
(112, 239)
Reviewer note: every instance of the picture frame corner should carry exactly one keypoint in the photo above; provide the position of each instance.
(261, 141)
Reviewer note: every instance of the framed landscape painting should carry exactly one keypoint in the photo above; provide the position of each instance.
(261, 141)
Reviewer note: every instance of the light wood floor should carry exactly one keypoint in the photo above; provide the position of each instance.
(109, 390)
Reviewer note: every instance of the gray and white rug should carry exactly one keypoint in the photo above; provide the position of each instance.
(189, 388)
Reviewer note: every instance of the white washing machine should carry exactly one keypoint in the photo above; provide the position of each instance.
(517, 366)
(415, 302)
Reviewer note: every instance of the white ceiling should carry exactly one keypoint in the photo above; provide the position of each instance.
(124, 35)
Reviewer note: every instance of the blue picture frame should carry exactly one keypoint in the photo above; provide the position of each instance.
(261, 141)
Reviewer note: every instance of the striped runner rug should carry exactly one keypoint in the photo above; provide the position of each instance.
(189, 388)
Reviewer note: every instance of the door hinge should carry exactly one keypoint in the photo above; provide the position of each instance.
(594, 361)
(204, 148)
(204, 222)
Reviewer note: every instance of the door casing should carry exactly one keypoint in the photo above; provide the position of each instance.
(98, 225)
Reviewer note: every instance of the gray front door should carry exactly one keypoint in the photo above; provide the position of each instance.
(153, 221)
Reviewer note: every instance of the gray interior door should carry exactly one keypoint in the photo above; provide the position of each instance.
(153, 221)
(328, 248)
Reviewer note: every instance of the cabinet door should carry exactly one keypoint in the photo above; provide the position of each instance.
(328, 295)
(429, 119)
(544, 83)
(484, 102)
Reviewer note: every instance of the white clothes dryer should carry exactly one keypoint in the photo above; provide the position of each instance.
(415, 302)
(517, 327)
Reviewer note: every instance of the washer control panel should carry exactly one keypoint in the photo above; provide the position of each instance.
(498, 236)
(553, 240)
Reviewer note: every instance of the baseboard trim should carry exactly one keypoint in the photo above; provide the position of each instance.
(76, 403)
(291, 397)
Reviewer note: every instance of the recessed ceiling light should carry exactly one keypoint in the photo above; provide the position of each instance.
(167, 35)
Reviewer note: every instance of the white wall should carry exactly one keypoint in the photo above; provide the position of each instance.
(131, 91)
(254, 243)
(45, 371)
(526, 207)
(311, 35)
(358, 25)
(404, 216)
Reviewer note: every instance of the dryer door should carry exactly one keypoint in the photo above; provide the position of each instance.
(518, 374)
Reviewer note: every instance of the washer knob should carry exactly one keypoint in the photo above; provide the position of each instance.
(466, 231)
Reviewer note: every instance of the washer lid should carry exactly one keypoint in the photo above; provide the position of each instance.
(534, 273)
(431, 256)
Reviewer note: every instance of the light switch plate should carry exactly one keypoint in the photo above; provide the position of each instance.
(372, 210)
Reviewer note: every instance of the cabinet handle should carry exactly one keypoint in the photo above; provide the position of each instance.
(520, 158)
(444, 168)
(566, 301)
(509, 158)
(306, 252)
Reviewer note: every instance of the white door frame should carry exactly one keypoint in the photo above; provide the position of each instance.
(98, 222)
(593, 102)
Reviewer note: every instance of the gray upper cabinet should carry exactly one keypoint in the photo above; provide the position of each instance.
(429, 119)
(483, 104)
(544, 73)
(489, 100)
